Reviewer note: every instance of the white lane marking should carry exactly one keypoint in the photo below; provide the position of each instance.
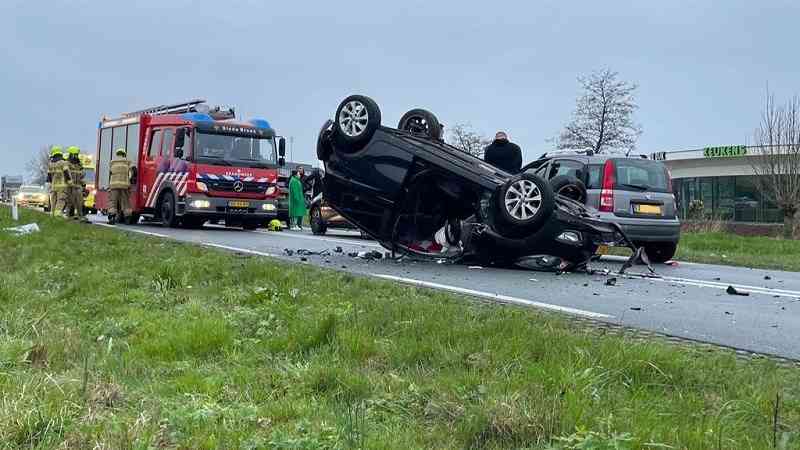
(238, 249)
(719, 285)
(491, 296)
(149, 233)
(622, 259)
(318, 238)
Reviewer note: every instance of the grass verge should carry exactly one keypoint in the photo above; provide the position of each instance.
(757, 252)
(114, 341)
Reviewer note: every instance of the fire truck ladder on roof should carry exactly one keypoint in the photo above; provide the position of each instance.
(177, 108)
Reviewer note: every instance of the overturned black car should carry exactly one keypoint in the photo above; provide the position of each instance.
(416, 194)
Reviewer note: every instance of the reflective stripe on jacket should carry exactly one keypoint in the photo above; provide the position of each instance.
(120, 174)
(59, 175)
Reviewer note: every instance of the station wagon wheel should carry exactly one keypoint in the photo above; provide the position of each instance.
(356, 120)
(523, 204)
(421, 121)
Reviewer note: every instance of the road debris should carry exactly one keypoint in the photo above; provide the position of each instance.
(288, 252)
(636, 308)
(611, 281)
(732, 291)
(370, 255)
(767, 277)
(475, 267)
(23, 229)
(338, 249)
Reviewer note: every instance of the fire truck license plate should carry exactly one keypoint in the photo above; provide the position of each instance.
(238, 204)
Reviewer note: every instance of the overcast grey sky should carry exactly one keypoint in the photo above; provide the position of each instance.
(701, 66)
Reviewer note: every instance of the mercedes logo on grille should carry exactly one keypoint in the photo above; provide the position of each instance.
(238, 186)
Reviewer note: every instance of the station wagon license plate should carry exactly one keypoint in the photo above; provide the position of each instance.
(239, 204)
(647, 209)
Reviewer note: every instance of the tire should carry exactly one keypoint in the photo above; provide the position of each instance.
(357, 119)
(523, 204)
(318, 225)
(569, 187)
(250, 226)
(660, 252)
(166, 208)
(324, 147)
(421, 121)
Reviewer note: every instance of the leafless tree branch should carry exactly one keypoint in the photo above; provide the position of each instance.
(776, 157)
(603, 116)
(463, 137)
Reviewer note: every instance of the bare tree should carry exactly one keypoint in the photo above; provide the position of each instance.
(37, 165)
(603, 117)
(776, 160)
(463, 137)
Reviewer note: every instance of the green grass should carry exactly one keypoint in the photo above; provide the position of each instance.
(116, 341)
(729, 249)
(748, 251)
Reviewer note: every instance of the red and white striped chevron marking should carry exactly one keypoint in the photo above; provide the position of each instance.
(177, 179)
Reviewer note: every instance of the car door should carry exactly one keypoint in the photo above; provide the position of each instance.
(147, 175)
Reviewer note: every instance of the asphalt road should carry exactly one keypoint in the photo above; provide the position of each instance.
(689, 301)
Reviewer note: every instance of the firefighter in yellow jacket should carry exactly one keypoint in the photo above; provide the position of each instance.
(58, 176)
(120, 182)
(76, 184)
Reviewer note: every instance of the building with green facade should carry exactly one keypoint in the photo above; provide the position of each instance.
(723, 179)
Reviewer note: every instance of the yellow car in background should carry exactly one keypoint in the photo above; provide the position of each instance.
(33, 196)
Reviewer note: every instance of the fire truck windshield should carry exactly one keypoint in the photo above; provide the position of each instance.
(229, 150)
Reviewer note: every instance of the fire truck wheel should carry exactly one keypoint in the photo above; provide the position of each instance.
(166, 209)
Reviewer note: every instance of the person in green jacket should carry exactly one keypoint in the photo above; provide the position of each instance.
(297, 202)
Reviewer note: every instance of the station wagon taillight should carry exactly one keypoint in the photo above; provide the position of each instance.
(607, 187)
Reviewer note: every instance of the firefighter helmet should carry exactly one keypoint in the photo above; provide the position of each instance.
(121, 152)
(56, 150)
(73, 150)
(275, 225)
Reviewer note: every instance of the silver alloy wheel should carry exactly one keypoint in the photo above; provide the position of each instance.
(353, 118)
(523, 199)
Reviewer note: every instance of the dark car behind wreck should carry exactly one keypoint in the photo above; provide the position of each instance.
(416, 194)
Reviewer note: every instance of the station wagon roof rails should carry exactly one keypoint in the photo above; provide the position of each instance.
(571, 151)
(197, 105)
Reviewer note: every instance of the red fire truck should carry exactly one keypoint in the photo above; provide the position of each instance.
(194, 164)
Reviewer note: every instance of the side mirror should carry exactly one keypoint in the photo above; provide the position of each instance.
(282, 147)
(180, 137)
(281, 161)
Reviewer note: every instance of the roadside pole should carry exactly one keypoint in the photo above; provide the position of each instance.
(14, 209)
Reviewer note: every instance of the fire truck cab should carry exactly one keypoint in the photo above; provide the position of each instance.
(193, 164)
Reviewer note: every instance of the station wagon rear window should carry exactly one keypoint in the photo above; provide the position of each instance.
(641, 174)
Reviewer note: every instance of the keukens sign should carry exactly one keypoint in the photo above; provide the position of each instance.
(730, 151)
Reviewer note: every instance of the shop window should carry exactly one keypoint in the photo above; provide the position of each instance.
(724, 204)
(707, 196)
(747, 200)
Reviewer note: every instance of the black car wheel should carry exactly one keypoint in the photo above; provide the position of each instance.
(660, 252)
(318, 225)
(569, 187)
(324, 147)
(357, 118)
(167, 210)
(421, 121)
(523, 204)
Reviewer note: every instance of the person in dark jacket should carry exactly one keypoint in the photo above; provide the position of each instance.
(503, 154)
